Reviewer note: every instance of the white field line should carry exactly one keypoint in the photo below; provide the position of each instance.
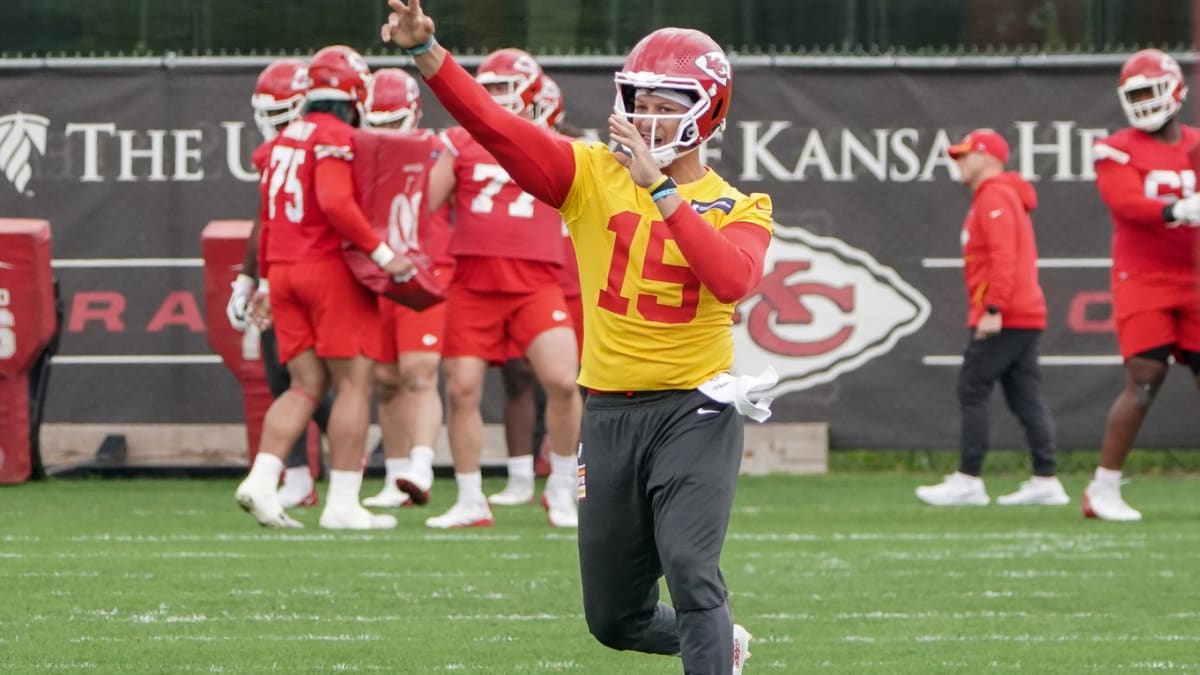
(124, 263)
(1057, 539)
(135, 359)
(1048, 360)
(1044, 263)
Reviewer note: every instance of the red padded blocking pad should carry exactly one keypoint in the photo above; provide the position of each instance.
(391, 177)
(26, 327)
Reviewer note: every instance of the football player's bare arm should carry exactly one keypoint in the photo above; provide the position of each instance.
(1121, 188)
(250, 259)
(441, 181)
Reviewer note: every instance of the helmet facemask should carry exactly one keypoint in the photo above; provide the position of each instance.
(270, 115)
(513, 98)
(402, 119)
(1150, 113)
(687, 134)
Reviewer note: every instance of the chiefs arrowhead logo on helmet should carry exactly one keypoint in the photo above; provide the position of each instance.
(715, 65)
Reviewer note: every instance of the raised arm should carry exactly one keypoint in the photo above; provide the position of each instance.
(539, 163)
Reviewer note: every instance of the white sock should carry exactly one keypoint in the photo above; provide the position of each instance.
(343, 489)
(1047, 479)
(1108, 476)
(422, 458)
(470, 487)
(396, 467)
(520, 470)
(297, 479)
(564, 468)
(265, 471)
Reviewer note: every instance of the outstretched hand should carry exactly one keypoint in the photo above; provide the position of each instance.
(407, 25)
(642, 167)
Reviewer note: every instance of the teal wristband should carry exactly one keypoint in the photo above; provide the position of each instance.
(421, 49)
(662, 189)
(661, 194)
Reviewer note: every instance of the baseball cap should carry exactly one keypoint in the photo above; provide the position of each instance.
(981, 140)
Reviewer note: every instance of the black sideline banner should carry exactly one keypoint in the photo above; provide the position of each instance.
(861, 311)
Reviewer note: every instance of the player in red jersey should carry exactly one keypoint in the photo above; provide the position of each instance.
(524, 405)
(410, 406)
(1146, 180)
(504, 296)
(278, 99)
(671, 249)
(327, 324)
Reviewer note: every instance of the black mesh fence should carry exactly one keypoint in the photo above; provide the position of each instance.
(609, 26)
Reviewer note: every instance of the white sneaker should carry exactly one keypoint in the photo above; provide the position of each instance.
(390, 497)
(559, 505)
(473, 514)
(958, 489)
(1044, 491)
(264, 506)
(417, 485)
(559, 502)
(1104, 502)
(741, 648)
(514, 493)
(291, 499)
(355, 518)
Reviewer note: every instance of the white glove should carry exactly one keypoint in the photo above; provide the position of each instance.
(239, 299)
(1186, 211)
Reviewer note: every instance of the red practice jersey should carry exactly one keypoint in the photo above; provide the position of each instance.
(1137, 176)
(261, 156)
(493, 218)
(300, 222)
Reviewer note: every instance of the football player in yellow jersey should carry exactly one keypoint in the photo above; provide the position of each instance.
(666, 249)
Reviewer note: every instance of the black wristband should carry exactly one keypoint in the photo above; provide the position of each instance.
(1168, 213)
(668, 184)
(992, 309)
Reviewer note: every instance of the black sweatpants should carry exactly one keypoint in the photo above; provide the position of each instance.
(659, 473)
(279, 380)
(1011, 358)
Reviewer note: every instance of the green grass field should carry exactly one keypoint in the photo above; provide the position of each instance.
(833, 574)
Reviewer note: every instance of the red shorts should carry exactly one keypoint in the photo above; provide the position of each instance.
(407, 330)
(1154, 312)
(575, 309)
(497, 326)
(320, 304)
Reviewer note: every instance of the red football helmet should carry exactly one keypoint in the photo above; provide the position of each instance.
(338, 73)
(686, 66)
(518, 70)
(1151, 89)
(278, 95)
(393, 98)
(548, 104)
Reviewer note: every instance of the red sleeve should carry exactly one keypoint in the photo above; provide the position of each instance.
(1121, 189)
(540, 164)
(335, 197)
(264, 267)
(729, 261)
(996, 215)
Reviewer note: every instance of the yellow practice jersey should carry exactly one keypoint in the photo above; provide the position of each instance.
(648, 322)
